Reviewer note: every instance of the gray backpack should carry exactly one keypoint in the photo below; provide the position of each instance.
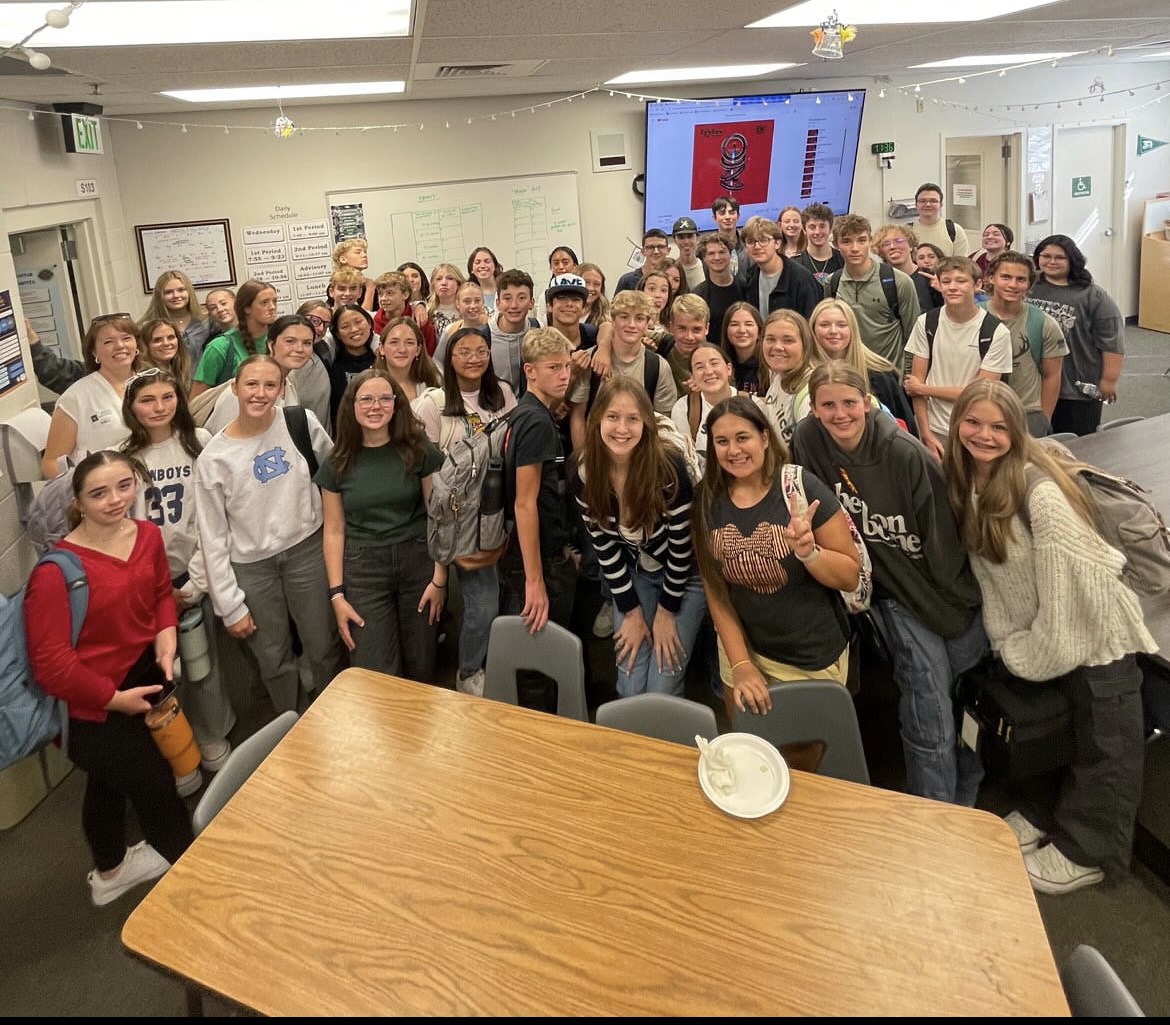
(1126, 519)
(468, 511)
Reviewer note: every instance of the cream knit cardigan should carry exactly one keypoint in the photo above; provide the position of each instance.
(1057, 601)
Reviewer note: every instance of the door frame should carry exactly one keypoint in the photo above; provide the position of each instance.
(1015, 195)
(94, 285)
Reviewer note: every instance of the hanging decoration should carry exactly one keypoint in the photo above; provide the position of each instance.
(829, 40)
(283, 127)
(53, 19)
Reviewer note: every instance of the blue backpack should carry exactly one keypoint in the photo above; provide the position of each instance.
(30, 718)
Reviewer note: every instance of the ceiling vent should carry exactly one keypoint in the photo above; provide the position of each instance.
(514, 69)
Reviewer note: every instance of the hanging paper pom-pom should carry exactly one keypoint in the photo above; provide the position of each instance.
(283, 127)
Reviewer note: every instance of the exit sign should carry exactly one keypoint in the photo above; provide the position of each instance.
(881, 147)
(83, 134)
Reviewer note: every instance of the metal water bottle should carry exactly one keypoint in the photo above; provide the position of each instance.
(194, 644)
(1089, 389)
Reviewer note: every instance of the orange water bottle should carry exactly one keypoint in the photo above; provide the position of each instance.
(173, 737)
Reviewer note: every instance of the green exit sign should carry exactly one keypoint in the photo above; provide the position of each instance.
(83, 134)
(881, 147)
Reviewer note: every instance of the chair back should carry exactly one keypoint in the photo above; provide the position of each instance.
(662, 716)
(1121, 422)
(1062, 436)
(806, 711)
(241, 763)
(552, 650)
(1093, 988)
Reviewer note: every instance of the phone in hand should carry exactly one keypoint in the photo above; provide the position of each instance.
(146, 672)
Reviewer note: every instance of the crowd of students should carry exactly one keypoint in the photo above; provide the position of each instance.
(705, 444)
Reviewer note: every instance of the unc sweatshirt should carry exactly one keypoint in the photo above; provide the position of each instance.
(896, 494)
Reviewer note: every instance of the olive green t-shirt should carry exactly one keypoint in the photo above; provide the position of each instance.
(383, 501)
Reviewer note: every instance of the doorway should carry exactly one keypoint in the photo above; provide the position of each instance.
(983, 183)
(47, 278)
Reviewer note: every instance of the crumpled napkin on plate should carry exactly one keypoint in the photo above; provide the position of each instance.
(719, 773)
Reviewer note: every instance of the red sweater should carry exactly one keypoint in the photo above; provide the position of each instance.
(130, 603)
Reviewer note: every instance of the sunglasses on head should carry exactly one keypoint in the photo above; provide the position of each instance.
(104, 317)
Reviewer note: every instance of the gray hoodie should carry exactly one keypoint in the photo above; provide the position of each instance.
(896, 494)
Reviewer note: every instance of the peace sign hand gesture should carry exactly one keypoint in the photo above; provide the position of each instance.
(799, 532)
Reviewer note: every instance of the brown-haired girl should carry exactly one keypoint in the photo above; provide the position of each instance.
(1055, 608)
(386, 591)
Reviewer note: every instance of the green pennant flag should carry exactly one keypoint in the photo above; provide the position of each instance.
(1146, 144)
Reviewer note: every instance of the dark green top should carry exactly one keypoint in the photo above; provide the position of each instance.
(383, 501)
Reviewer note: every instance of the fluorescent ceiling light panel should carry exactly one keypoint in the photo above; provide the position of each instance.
(698, 74)
(181, 22)
(990, 59)
(284, 92)
(893, 12)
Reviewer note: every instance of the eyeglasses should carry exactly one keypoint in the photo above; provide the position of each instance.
(474, 355)
(655, 249)
(316, 321)
(758, 242)
(147, 373)
(369, 401)
(104, 317)
(899, 241)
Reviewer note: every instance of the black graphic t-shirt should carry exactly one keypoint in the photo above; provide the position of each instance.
(785, 613)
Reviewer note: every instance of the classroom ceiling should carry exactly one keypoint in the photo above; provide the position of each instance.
(553, 47)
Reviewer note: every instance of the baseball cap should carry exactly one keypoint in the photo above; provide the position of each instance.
(684, 226)
(566, 284)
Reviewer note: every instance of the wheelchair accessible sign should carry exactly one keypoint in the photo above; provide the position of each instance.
(1082, 186)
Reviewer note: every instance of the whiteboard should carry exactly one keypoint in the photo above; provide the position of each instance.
(200, 249)
(520, 219)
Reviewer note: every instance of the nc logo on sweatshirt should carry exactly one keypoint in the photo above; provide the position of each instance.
(270, 465)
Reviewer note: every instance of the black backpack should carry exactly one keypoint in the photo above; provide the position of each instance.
(986, 332)
(885, 279)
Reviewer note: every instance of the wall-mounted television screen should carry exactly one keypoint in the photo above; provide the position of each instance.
(769, 152)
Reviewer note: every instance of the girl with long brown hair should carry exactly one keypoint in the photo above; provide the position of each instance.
(635, 497)
(1055, 608)
(772, 570)
(174, 301)
(402, 355)
(163, 436)
(386, 591)
(255, 310)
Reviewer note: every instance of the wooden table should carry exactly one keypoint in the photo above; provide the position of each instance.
(1140, 451)
(410, 850)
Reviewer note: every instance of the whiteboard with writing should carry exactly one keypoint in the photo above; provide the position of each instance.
(200, 249)
(520, 219)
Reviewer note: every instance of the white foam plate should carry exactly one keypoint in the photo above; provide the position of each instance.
(761, 776)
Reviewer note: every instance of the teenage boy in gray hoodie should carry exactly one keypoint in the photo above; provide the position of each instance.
(924, 589)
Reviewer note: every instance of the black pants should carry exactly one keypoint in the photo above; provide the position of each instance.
(1076, 416)
(123, 764)
(1092, 822)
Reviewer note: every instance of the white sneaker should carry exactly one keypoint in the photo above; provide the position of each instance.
(472, 684)
(603, 624)
(1027, 835)
(1049, 871)
(141, 864)
(215, 754)
(189, 784)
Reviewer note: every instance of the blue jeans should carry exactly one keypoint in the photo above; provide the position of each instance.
(481, 604)
(925, 669)
(645, 675)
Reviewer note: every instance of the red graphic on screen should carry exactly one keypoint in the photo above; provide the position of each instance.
(731, 160)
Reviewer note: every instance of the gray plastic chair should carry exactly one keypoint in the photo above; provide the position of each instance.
(1061, 437)
(241, 763)
(1110, 424)
(553, 651)
(662, 716)
(1093, 988)
(806, 711)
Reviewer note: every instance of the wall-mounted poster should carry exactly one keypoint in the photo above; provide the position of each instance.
(200, 249)
(12, 368)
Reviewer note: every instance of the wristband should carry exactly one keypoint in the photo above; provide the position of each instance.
(335, 591)
(741, 662)
(811, 557)
(441, 587)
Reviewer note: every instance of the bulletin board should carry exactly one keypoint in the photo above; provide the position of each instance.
(200, 249)
(521, 219)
